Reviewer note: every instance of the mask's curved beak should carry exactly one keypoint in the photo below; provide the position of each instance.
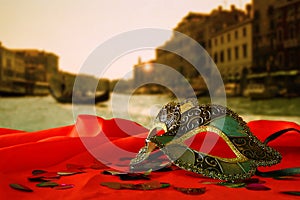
(149, 156)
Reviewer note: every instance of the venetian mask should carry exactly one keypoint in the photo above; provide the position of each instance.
(178, 124)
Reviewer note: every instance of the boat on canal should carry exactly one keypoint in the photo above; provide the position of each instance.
(76, 98)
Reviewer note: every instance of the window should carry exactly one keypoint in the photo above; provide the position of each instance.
(279, 14)
(228, 37)
(228, 54)
(216, 41)
(8, 63)
(270, 10)
(279, 35)
(222, 39)
(256, 15)
(236, 50)
(272, 25)
(236, 34)
(292, 32)
(244, 32)
(222, 56)
(256, 28)
(216, 58)
(245, 53)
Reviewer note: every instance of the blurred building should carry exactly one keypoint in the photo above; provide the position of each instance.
(264, 34)
(26, 72)
(39, 64)
(224, 34)
(231, 50)
(142, 73)
(276, 39)
(287, 15)
(12, 73)
(145, 78)
(276, 48)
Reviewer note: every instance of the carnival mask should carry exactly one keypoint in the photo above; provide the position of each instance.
(178, 123)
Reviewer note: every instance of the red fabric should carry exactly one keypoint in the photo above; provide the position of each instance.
(91, 139)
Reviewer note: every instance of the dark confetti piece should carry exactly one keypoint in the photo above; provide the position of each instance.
(36, 178)
(38, 172)
(151, 185)
(50, 175)
(45, 179)
(208, 182)
(288, 178)
(47, 184)
(20, 187)
(113, 173)
(232, 185)
(295, 193)
(46, 176)
(257, 186)
(142, 186)
(63, 186)
(127, 177)
(68, 173)
(113, 185)
(191, 191)
(165, 185)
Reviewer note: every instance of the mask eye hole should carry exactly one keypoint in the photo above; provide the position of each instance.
(157, 131)
(160, 131)
(210, 143)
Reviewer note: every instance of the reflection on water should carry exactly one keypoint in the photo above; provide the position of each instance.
(37, 113)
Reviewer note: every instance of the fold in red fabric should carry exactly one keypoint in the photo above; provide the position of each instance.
(110, 144)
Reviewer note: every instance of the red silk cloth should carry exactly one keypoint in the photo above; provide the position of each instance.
(53, 149)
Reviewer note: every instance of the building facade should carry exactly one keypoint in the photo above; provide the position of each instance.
(264, 35)
(12, 72)
(26, 72)
(287, 14)
(39, 64)
(200, 27)
(231, 49)
(276, 47)
(276, 39)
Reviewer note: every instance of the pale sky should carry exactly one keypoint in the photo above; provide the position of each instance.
(72, 29)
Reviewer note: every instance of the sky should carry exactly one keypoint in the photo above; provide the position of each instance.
(73, 29)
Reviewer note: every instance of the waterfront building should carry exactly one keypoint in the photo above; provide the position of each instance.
(276, 39)
(39, 64)
(287, 14)
(145, 77)
(231, 50)
(264, 35)
(12, 73)
(276, 48)
(26, 72)
(202, 27)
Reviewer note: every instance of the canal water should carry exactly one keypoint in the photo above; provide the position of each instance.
(38, 113)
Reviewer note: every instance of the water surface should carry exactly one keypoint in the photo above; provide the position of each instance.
(37, 113)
